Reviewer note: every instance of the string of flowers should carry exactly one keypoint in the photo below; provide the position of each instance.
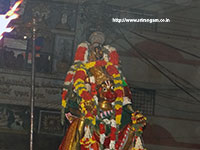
(137, 127)
(138, 144)
(102, 136)
(78, 79)
(113, 135)
(118, 89)
(88, 140)
(68, 80)
(80, 57)
(86, 99)
(112, 71)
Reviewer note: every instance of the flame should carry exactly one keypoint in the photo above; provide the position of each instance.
(6, 18)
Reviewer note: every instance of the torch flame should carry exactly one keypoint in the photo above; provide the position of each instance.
(6, 18)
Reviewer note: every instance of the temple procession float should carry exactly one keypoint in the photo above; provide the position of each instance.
(96, 98)
(97, 102)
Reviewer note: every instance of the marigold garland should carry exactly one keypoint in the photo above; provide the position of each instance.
(79, 84)
(77, 77)
(112, 71)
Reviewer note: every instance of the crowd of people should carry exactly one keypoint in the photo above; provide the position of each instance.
(8, 59)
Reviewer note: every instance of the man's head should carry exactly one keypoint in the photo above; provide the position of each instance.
(96, 40)
(97, 37)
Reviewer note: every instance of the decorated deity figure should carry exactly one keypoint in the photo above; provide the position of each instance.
(97, 102)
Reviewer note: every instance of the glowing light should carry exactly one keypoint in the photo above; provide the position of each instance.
(6, 18)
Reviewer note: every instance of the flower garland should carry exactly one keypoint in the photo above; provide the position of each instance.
(88, 139)
(138, 144)
(102, 131)
(79, 84)
(112, 123)
(137, 127)
(82, 53)
(78, 77)
(68, 80)
(118, 89)
(86, 96)
(112, 71)
(80, 57)
(113, 135)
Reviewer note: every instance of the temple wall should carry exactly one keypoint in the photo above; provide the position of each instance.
(175, 111)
